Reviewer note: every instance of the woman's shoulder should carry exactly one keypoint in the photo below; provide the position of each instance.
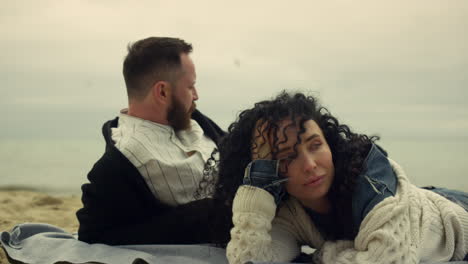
(409, 199)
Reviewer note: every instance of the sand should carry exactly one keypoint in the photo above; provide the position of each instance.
(28, 206)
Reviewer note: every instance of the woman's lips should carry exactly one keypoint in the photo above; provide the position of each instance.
(314, 181)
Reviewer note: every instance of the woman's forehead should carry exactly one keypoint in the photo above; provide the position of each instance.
(290, 129)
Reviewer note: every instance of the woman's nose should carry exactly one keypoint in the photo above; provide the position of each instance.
(309, 163)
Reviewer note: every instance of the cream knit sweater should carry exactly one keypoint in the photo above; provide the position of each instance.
(413, 226)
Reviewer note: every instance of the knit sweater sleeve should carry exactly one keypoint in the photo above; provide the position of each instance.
(386, 236)
(390, 232)
(253, 237)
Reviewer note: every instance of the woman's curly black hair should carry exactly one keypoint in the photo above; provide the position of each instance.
(349, 151)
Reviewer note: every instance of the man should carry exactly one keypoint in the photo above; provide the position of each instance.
(141, 190)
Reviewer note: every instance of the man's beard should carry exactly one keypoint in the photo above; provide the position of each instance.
(177, 117)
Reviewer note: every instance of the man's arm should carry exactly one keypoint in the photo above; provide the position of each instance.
(186, 224)
(119, 208)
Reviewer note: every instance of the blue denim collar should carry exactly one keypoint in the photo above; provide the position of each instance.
(376, 182)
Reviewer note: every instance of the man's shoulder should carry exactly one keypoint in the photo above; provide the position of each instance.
(199, 116)
(111, 123)
(106, 129)
(112, 163)
(210, 128)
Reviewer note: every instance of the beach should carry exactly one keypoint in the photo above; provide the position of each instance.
(21, 206)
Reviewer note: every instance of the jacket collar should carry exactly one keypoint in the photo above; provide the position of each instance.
(210, 128)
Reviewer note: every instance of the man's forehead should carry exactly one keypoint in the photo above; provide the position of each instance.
(188, 68)
(186, 60)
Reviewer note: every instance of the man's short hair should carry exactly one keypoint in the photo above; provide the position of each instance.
(151, 60)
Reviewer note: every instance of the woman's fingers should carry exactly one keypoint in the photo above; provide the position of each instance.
(261, 146)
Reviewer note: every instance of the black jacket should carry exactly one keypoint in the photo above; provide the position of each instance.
(119, 208)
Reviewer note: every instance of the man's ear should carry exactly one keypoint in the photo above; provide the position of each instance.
(161, 91)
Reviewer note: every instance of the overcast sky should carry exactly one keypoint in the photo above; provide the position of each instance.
(396, 68)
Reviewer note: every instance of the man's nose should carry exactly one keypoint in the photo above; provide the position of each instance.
(195, 94)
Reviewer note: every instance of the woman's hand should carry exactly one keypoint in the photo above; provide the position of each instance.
(261, 140)
(262, 172)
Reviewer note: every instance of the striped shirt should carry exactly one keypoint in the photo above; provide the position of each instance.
(171, 162)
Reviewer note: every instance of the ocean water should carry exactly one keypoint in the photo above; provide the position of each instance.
(53, 166)
(61, 166)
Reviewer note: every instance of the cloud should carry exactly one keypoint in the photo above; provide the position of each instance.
(380, 64)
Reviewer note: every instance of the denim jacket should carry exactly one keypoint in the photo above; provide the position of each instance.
(376, 182)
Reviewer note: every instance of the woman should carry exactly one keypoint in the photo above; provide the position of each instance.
(293, 175)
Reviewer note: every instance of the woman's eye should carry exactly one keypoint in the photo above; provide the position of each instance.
(287, 157)
(284, 164)
(315, 146)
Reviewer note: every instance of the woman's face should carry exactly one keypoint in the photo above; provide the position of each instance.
(310, 174)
